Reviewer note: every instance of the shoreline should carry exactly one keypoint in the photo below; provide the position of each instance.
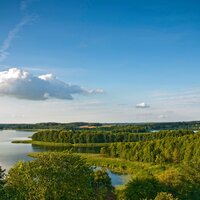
(40, 143)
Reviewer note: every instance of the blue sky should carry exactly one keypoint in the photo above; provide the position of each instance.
(143, 57)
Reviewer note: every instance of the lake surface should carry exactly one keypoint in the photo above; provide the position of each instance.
(10, 153)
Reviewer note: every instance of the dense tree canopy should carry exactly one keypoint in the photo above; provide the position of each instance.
(172, 184)
(106, 136)
(173, 150)
(143, 188)
(52, 176)
(165, 196)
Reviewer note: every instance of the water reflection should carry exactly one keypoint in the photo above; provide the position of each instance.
(11, 153)
(116, 179)
(37, 148)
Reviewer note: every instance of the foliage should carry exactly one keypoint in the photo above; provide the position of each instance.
(100, 135)
(2, 180)
(171, 150)
(2, 175)
(103, 186)
(120, 166)
(145, 187)
(191, 174)
(184, 182)
(51, 176)
(165, 196)
(172, 184)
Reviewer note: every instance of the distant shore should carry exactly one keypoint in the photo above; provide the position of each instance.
(53, 144)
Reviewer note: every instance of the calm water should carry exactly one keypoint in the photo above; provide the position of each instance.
(11, 153)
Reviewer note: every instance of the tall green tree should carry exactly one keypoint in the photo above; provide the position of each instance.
(103, 186)
(145, 187)
(52, 176)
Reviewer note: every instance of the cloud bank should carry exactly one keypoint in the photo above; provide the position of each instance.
(142, 105)
(23, 85)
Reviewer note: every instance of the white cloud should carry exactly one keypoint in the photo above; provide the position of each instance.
(23, 85)
(163, 116)
(23, 4)
(142, 105)
(11, 35)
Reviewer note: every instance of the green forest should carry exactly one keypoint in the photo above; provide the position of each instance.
(103, 136)
(139, 127)
(168, 150)
(163, 165)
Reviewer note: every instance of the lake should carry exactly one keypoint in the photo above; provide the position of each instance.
(10, 153)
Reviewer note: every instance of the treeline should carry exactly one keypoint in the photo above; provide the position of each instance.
(167, 150)
(98, 136)
(49, 125)
(128, 127)
(131, 128)
(125, 128)
(195, 125)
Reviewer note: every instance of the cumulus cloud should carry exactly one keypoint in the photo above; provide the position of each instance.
(142, 105)
(23, 85)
